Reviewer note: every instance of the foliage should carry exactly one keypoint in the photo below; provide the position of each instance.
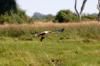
(10, 13)
(41, 17)
(49, 17)
(78, 45)
(7, 5)
(89, 16)
(65, 16)
(69, 16)
(18, 17)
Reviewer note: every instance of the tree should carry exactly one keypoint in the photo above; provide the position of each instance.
(7, 5)
(42, 17)
(65, 16)
(98, 6)
(9, 13)
(81, 10)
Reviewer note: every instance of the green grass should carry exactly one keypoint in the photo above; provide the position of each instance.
(72, 30)
(78, 45)
(50, 52)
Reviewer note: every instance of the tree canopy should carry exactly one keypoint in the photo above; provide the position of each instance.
(7, 5)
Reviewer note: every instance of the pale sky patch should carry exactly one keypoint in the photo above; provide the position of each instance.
(53, 6)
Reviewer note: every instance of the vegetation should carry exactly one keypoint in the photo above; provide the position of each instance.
(78, 45)
(65, 16)
(7, 5)
(41, 17)
(16, 18)
(88, 30)
(49, 53)
(69, 16)
(10, 13)
(62, 16)
(90, 17)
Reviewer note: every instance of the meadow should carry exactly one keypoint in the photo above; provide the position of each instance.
(78, 45)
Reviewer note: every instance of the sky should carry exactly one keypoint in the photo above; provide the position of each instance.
(53, 6)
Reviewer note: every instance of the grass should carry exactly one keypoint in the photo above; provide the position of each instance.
(72, 30)
(14, 52)
(78, 45)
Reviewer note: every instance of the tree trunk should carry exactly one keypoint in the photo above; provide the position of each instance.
(75, 7)
(98, 6)
(79, 14)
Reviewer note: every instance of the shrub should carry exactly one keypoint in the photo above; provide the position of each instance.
(19, 17)
(69, 16)
(65, 16)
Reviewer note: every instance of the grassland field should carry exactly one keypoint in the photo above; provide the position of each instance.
(78, 45)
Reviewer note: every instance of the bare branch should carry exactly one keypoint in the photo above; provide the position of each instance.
(75, 6)
(83, 5)
(82, 8)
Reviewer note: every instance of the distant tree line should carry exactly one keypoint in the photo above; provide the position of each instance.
(10, 13)
(63, 16)
(41, 17)
(69, 16)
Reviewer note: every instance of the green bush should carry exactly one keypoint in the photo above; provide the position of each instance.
(65, 16)
(19, 17)
(10, 13)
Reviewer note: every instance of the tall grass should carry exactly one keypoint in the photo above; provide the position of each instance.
(72, 30)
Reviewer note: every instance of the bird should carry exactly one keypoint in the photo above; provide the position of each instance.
(43, 34)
